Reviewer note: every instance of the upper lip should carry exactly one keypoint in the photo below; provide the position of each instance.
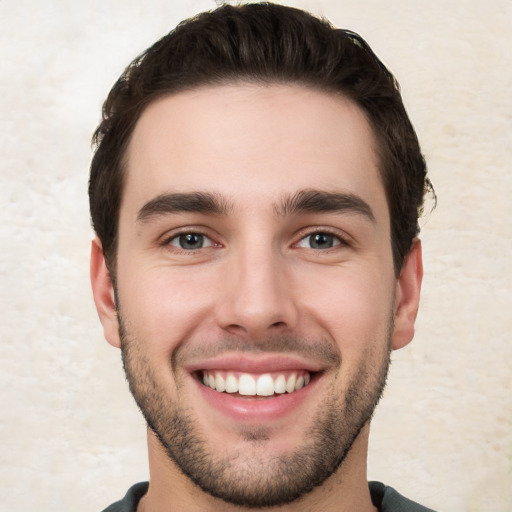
(264, 363)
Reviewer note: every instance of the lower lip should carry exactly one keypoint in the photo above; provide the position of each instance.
(255, 409)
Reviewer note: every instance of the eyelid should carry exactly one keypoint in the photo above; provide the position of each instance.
(210, 242)
(343, 238)
(166, 239)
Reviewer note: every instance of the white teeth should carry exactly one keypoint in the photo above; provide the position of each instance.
(265, 385)
(249, 385)
(231, 384)
(220, 383)
(246, 385)
(280, 384)
(290, 384)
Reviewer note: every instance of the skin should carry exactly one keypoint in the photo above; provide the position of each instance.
(257, 279)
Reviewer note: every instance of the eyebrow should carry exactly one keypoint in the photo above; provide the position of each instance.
(320, 201)
(303, 201)
(196, 202)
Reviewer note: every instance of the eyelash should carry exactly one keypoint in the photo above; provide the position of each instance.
(338, 240)
(176, 236)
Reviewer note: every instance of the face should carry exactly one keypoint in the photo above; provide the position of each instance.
(256, 293)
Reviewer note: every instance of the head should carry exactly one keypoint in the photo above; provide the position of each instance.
(262, 44)
(255, 191)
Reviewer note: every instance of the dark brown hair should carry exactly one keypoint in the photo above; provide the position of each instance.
(261, 43)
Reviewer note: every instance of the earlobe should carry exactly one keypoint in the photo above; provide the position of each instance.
(104, 296)
(407, 297)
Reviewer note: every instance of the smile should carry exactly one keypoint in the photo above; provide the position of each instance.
(247, 384)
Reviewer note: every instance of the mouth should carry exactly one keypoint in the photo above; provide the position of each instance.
(256, 389)
(252, 385)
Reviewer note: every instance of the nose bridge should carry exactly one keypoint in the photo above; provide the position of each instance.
(259, 295)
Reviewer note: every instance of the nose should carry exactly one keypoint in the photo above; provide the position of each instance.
(258, 295)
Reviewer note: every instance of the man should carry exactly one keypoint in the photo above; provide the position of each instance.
(255, 194)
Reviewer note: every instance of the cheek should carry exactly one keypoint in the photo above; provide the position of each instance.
(353, 307)
(162, 308)
(357, 318)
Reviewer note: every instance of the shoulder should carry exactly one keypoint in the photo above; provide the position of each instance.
(389, 500)
(131, 499)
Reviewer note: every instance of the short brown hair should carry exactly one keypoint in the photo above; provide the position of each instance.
(261, 43)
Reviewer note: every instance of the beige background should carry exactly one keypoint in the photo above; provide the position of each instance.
(71, 438)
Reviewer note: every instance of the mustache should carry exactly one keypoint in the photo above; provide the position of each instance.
(317, 350)
(320, 350)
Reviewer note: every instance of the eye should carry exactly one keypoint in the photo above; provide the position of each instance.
(320, 240)
(190, 241)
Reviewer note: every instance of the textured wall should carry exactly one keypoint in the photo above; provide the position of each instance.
(71, 437)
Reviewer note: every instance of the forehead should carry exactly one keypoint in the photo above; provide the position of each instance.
(250, 141)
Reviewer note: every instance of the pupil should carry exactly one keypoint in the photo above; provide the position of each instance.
(321, 241)
(191, 241)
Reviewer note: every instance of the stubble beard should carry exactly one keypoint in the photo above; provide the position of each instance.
(254, 479)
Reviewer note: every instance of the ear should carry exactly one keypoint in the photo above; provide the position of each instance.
(104, 296)
(407, 297)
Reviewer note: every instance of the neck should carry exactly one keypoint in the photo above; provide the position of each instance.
(346, 490)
